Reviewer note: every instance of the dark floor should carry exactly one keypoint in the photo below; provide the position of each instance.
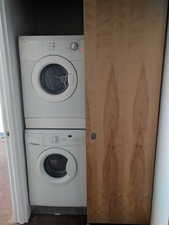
(5, 201)
(57, 220)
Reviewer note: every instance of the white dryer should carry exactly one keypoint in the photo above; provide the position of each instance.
(56, 162)
(52, 72)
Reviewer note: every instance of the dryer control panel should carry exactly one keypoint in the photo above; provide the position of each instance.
(70, 46)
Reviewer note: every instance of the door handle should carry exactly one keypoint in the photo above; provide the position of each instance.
(93, 135)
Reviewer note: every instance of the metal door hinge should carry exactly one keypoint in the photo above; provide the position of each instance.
(5, 135)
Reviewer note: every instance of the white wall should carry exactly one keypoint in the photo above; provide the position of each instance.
(14, 22)
(1, 121)
(160, 210)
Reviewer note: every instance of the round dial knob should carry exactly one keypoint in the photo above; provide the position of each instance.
(74, 46)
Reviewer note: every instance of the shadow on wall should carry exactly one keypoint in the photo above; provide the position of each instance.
(1, 124)
(54, 17)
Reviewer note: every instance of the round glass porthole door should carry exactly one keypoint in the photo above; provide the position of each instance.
(54, 78)
(57, 165)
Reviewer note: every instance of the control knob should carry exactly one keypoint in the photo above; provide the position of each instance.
(74, 46)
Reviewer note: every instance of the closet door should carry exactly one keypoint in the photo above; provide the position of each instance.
(124, 46)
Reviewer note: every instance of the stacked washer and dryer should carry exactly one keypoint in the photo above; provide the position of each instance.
(52, 69)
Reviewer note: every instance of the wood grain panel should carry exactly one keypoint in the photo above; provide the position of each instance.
(124, 42)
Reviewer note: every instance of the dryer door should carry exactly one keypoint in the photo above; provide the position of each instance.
(54, 78)
(57, 165)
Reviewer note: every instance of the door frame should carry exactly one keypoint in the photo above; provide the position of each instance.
(13, 123)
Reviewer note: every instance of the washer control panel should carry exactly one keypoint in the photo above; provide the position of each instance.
(54, 139)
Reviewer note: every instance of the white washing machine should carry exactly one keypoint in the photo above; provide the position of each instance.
(56, 162)
(52, 72)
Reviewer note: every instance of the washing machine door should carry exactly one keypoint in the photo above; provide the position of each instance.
(54, 78)
(57, 165)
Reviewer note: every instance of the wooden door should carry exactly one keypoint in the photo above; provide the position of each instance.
(124, 46)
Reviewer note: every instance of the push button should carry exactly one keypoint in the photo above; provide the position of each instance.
(50, 140)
